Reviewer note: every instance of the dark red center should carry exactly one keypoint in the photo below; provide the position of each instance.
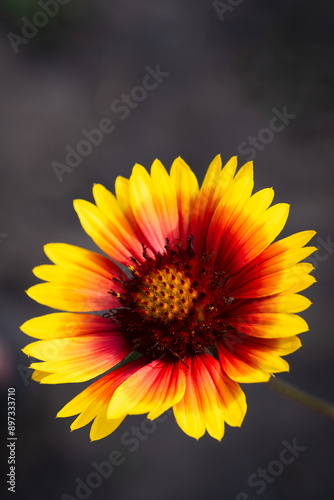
(174, 303)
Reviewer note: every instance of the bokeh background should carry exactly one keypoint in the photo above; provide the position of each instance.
(228, 68)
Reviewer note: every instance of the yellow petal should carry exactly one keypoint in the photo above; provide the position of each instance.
(75, 257)
(92, 403)
(186, 188)
(122, 190)
(72, 299)
(77, 359)
(245, 172)
(64, 325)
(154, 388)
(102, 427)
(269, 325)
(216, 183)
(248, 359)
(118, 223)
(164, 199)
(230, 206)
(143, 208)
(209, 399)
(101, 231)
(38, 376)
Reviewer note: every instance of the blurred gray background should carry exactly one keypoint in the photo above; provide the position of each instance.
(229, 68)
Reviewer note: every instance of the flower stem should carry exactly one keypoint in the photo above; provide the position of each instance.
(302, 397)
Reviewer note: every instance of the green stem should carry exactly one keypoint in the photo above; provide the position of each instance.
(301, 397)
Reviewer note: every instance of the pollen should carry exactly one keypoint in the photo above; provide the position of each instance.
(173, 304)
(168, 293)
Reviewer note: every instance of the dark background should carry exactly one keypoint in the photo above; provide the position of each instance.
(226, 77)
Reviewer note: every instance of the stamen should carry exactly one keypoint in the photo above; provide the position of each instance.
(174, 303)
(145, 255)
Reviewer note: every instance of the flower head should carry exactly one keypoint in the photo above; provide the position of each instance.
(201, 299)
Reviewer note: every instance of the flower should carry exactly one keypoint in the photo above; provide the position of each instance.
(201, 299)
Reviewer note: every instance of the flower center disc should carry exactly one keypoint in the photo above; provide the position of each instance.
(165, 295)
(174, 303)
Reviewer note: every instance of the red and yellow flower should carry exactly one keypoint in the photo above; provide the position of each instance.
(201, 299)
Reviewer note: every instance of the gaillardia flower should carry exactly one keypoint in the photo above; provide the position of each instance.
(201, 299)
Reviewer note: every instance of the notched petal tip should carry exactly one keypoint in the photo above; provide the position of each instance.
(246, 172)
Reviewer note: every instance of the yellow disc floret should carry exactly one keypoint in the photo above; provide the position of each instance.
(173, 304)
(166, 294)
